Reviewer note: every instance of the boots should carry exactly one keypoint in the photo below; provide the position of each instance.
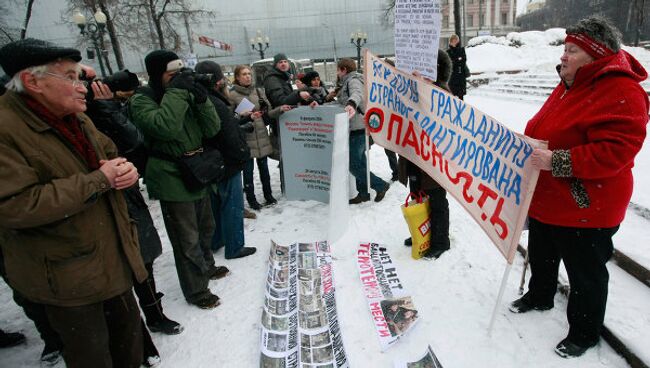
(253, 203)
(269, 199)
(156, 319)
(9, 339)
(151, 304)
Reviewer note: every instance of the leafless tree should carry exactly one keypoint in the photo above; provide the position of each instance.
(11, 32)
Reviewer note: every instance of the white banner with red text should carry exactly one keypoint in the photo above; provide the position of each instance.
(477, 159)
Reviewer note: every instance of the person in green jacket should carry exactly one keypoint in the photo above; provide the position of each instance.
(175, 118)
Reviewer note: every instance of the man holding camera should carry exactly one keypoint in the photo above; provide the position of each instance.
(68, 243)
(228, 202)
(175, 117)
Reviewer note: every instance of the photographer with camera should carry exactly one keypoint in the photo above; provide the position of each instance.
(176, 117)
(228, 201)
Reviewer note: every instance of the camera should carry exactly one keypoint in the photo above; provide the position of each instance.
(123, 80)
(206, 80)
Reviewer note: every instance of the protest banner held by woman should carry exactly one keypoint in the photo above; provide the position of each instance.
(595, 124)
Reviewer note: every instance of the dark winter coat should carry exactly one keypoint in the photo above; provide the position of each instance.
(595, 128)
(68, 239)
(278, 89)
(406, 169)
(230, 140)
(111, 118)
(458, 80)
(258, 140)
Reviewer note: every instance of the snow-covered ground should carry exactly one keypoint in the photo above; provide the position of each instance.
(454, 294)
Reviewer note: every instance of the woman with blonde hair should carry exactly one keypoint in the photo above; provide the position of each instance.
(258, 139)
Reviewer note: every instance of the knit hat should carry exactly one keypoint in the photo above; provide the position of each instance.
(209, 67)
(309, 77)
(18, 55)
(157, 62)
(279, 57)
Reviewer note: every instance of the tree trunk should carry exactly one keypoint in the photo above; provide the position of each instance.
(457, 18)
(28, 15)
(156, 18)
(115, 43)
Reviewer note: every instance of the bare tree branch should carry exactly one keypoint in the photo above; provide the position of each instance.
(28, 16)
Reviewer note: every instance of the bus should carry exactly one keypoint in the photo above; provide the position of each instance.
(261, 67)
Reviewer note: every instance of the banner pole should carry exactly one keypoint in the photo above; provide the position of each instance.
(501, 290)
(367, 162)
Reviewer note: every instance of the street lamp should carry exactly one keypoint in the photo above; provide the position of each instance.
(94, 31)
(262, 43)
(358, 39)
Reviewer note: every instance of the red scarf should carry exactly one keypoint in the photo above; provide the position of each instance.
(69, 128)
(592, 47)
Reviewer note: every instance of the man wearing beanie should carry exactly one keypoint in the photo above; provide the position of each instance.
(175, 117)
(277, 84)
(228, 201)
(67, 240)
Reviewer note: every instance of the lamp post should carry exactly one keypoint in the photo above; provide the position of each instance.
(358, 39)
(262, 43)
(94, 31)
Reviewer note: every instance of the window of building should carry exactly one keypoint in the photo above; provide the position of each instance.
(445, 21)
(481, 20)
(504, 18)
(470, 20)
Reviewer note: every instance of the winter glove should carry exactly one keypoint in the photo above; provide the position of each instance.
(185, 80)
(247, 127)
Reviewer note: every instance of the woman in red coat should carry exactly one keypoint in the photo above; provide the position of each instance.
(595, 124)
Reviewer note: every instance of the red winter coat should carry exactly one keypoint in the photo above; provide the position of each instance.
(601, 121)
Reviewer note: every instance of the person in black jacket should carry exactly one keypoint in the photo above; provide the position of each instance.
(459, 73)
(228, 203)
(277, 84)
(111, 118)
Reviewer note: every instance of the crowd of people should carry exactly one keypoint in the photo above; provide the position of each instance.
(77, 238)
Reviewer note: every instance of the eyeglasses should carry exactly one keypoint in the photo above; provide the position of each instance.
(75, 82)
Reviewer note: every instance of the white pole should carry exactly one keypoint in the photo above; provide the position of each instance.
(368, 161)
(501, 290)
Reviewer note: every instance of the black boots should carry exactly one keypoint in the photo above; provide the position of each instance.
(151, 304)
(360, 198)
(9, 339)
(243, 252)
(253, 203)
(568, 349)
(525, 304)
(157, 321)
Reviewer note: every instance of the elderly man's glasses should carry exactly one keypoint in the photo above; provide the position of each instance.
(75, 82)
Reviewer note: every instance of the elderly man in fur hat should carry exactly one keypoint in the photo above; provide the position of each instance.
(68, 242)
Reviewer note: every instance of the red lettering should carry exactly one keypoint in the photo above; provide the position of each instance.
(495, 220)
(466, 185)
(410, 139)
(486, 192)
(395, 119)
(423, 136)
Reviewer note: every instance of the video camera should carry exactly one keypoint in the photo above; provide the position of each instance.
(123, 80)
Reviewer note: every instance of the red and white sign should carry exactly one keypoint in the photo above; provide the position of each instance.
(478, 160)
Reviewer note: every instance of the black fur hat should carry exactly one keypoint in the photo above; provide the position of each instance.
(18, 55)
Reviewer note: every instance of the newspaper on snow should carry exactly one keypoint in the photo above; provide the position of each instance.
(391, 308)
(299, 323)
